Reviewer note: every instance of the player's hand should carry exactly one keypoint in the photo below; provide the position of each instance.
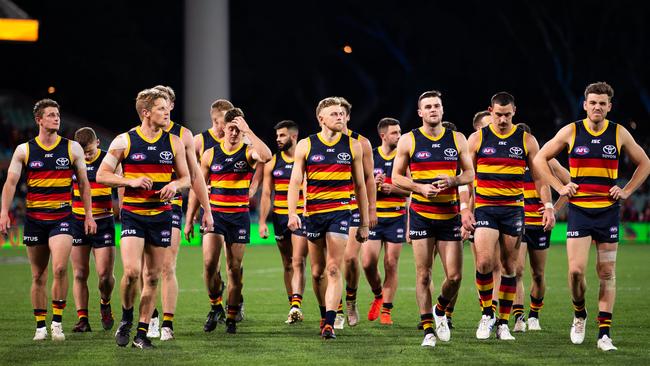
(294, 222)
(263, 229)
(188, 229)
(362, 234)
(548, 219)
(207, 221)
(242, 125)
(429, 190)
(568, 190)
(464, 233)
(168, 191)
(379, 179)
(618, 193)
(142, 183)
(90, 226)
(443, 181)
(372, 219)
(408, 237)
(467, 219)
(386, 188)
(5, 223)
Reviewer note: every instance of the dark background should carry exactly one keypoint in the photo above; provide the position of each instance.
(286, 57)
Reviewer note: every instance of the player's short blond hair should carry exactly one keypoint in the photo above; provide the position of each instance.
(327, 102)
(147, 98)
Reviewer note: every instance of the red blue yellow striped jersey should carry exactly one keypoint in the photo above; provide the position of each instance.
(532, 201)
(230, 178)
(501, 161)
(176, 129)
(329, 174)
(593, 164)
(281, 174)
(152, 158)
(429, 157)
(209, 140)
(353, 197)
(102, 200)
(49, 179)
(388, 205)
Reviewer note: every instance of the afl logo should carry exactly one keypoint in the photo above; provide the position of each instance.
(240, 164)
(36, 164)
(216, 167)
(107, 236)
(138, 156)
(65, 224)
(581, 150)
(344, 223)
(516, 150)
(62, 162)
(317, 158)
(609, 149)
(166, 155)
(242, 231)
(277, 173)
(422, 154)
(343, 156)
(165, 233)
(451, 152)
(489, 150)
(379, 171)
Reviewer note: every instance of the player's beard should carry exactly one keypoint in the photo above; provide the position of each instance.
(288, 145)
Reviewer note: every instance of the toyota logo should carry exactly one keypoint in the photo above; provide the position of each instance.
(516, 150)
(451, 152)
(62, 162)
(166, 155)
(343, 156)
(240, 164)
(609, 149)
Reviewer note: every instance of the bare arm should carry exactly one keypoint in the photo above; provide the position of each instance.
(466, 165)
(297, 174)
(360, 191)
(639, 158)
(106, 172)
(265, 199)
(79, 165)
(182, 180)
(198, 146)
(192, 201)
(9, 188)
(400, 165)
(550, 150)
(198, 185)
(466, 196)
(261, 153)
(548, 218)
(369, 179)
(257, 178)
(559, 171)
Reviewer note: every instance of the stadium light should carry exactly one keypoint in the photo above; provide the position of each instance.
(25, 30)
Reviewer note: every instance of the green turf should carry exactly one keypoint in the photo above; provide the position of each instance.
(263, 338)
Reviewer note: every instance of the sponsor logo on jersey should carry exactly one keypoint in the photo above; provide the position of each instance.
(317, 158)
(489, 150)
(138, 156)
(36, 164)
(422, 155)
(581, 150)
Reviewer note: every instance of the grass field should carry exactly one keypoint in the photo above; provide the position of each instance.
(263, 338)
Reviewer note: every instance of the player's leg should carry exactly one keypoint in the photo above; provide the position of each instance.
(606, 268)
(169, 290)
(485, 243)
(518, 304)
(508, 287)
(537, 257)
(298, 259)
(423, 249)
(285, 248)
(212, 244)
(335, 243)
(131, 250)
(60, 247)
(351, 273)
(451, 256)
(369, 260)
(104, 265)
(234, 254)
(154, 257)
(392, 253)
(319, 281)
(578, 256)
(39, 258)
(80, 256)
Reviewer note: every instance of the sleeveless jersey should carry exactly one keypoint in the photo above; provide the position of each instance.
(387, 205)
(147, 158)
(176, 129)
(593, 163)
(230, 179)
(102, 201)
(430, 156)
(329, 174)
(282, 167)
(49, 179)
(501, 161)
(209, 140)
(532, 202)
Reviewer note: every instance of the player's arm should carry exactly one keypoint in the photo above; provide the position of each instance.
(120, 192)
(199, 146)
(548, 218)
(466, 192)
(106, 172)
(18, 159)
(369, 178)
(392, 189)
(260, 152)
(265, 199)
(360, 190)
(638, 157)
(401, 163)
(295, 183)
(197, 185)
(466, 165)
(79, 166)
(182, 180)
(559, 171)
(550, 150)
(192, 201)
(257, 178)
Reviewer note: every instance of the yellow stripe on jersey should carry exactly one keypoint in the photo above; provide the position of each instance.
(238, 184)
(594, 172)
(498, 191)
(61, 182)
(500, 169)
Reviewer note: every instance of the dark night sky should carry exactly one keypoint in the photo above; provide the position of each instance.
(284, 58)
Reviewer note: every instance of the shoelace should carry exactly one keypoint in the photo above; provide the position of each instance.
(580, 326)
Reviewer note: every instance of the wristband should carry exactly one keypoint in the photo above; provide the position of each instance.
(463, 206)
(548, 205)
(463, 188)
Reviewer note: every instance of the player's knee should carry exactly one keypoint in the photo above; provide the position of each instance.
(606, 273)
(132, 275)
(333, 271)
(519, 271)
(576, 274)
(169, 272)
(454, 279)
(423, 277)
(484, 266)
(390, 264)
(59, 271)
(81, 276)
(298, 264)
(39, 279)
(538, 277)
(351, 262)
